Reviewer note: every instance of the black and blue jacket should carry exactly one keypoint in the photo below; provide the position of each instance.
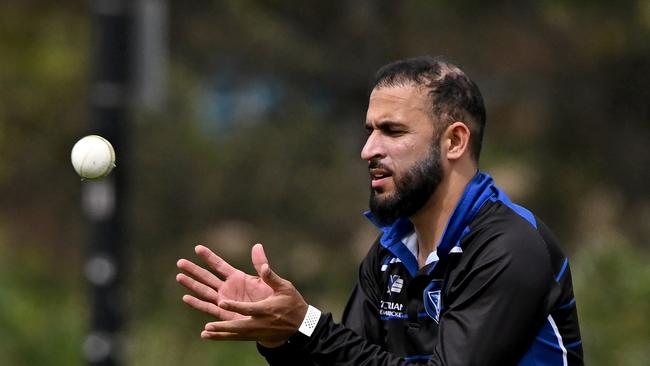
(497, 291)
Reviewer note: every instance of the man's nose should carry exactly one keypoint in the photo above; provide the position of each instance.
(373, 148)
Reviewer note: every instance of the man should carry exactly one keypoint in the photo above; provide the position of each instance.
(459, 276)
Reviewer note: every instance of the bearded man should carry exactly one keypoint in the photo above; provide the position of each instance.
(460, 275)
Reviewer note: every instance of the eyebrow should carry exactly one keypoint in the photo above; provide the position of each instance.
(386, 124)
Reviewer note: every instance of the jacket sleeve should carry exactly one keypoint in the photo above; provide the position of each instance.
(495, 307)
(285, 355)
(361, 313)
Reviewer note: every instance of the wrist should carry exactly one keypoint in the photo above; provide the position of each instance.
(310, 321)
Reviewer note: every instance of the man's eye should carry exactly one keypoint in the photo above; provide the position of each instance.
(394, 132)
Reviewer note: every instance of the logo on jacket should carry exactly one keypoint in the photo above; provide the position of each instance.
(432, 303)
(388, 262)
(395, 283)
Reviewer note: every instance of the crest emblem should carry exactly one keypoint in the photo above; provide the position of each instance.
(395, 284)
(432, 303)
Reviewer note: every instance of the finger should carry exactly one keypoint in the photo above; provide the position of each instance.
(242, 307)
(258, 258)
(199, 273)
(238, 326)
(214, 261)
(271, 278)
(225, 336)
(203, 291)
(208, 308)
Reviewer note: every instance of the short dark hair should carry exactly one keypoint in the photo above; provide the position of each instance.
(454, 96)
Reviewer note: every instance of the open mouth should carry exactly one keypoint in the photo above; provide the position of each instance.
(379, 173)
(379, 176)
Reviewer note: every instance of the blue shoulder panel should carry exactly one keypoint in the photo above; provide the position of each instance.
(519, 210)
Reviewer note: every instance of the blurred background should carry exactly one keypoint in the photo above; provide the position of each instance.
(241, 121)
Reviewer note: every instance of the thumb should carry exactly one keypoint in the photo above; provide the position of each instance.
(258, 257)
(271, 278)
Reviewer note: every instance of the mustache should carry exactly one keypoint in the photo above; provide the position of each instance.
(374, 164)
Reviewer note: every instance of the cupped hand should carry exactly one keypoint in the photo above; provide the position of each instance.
(229, 283)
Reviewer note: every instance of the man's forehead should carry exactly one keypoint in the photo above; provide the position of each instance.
(400, 91)
(395, 99)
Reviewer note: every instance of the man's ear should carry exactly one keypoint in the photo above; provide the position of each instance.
(456, 140)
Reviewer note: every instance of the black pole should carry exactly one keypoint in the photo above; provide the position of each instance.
(103, 201)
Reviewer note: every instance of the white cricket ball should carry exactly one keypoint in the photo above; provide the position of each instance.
(93, 157)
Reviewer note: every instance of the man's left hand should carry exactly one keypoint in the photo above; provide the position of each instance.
(270, 321)
(267, 309)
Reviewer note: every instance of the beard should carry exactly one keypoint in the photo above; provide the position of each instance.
(412, 190)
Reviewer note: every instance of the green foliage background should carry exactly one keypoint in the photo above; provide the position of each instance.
(566, 87)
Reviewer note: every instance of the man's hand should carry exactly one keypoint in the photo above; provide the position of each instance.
(210, 289)
(267, 309)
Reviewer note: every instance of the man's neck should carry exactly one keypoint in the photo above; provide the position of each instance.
(431, 220)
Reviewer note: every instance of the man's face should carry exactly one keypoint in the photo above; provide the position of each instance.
(403, 156)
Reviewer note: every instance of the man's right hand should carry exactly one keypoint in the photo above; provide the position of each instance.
(230, 284)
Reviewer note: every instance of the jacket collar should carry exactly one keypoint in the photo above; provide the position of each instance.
(480, 189)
